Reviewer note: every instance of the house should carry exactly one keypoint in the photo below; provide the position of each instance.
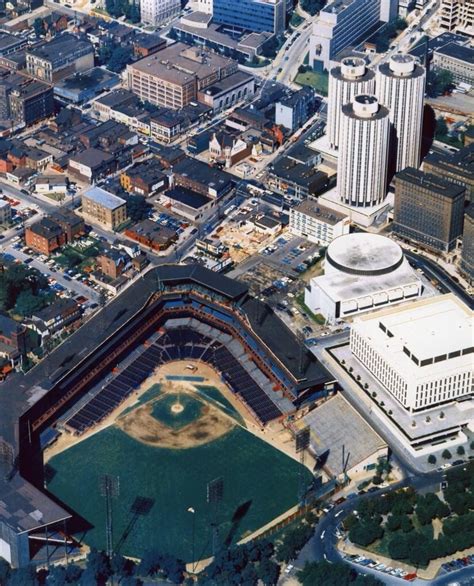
(55, 317)
(91, 164)
(12, 340)
(228, 149)
(113, 262)
(144, 179)
(51, 184)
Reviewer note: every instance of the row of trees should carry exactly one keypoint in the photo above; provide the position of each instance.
(98, 570)
(244, 564)
(399, 517)
(334, 575)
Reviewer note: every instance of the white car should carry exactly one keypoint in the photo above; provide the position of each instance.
(288, 568)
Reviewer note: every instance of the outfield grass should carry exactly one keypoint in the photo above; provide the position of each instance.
(253, 473)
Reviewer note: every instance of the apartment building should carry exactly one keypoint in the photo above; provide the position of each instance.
(102, 207)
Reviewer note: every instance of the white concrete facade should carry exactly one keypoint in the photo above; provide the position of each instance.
(421, 353)
(318, 224)
(346, 81)
(400, 87)
(363, 152)
(157, 12)
(362, 272)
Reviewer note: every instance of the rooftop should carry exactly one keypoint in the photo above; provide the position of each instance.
(438, 330)
(430, 182)
(60, 47)
(319, 212)
(364, 254)
(104, 198)
(180, 64)
(457, 51)
(336, 426)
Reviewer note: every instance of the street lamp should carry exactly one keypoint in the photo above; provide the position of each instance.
(193, 512)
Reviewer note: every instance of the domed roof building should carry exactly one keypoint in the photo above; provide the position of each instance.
(362, 272)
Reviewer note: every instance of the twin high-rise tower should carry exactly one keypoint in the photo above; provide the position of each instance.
(375, 122)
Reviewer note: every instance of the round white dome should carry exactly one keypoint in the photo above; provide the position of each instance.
(363, 254)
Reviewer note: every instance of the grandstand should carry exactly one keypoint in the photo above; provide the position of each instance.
(172, 313)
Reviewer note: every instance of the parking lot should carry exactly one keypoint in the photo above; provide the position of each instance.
(60, 281)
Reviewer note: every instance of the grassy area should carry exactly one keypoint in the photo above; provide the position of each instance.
(256, 476)
(316, 317)
(318, 81)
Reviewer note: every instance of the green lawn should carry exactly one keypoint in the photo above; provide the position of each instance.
(318, 81)
(254, 473)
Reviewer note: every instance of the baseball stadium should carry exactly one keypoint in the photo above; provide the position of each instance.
(119, 438)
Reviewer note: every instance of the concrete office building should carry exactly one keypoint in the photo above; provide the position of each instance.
(457, 168)
(362, 272)
(467, 255)
(400, 87)
(156, 12)
(343, 23)
(363, 151)
(428, 210)
(251, 15)
(104, 208)
(421, 353)
(317, 223)
(174, 76)
(458, 60)
(347, 80)
(457, 16)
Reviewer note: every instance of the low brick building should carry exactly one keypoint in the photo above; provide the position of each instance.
(45, 236)
(152, 235)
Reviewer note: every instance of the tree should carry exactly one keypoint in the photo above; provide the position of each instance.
(98, 566)
(268, 572)
(27, 303)
(439, 81)
(393, 523)
(446, 455)
(461, 451)
(365, 532)
(138, 208)
(441, 128)
(406, 524)
(119, 58)
(312, 7)
(431, 459)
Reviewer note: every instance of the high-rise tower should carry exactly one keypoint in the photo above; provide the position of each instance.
(346, 81)
(363, 149)
(400, 87)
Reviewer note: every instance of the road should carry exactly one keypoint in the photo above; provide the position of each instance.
(322, 546)
(433, 270)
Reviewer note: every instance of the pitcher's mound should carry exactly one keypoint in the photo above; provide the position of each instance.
(175, 421)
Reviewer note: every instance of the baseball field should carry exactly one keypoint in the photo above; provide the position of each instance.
(164, 452)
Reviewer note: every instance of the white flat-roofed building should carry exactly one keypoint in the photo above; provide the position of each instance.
(157, 12)
(317, 223)
(362, 272)
(422, 353)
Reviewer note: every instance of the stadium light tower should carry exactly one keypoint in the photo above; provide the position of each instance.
(302, 439)
(215, 494)
(109, 489)
(193, 513)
